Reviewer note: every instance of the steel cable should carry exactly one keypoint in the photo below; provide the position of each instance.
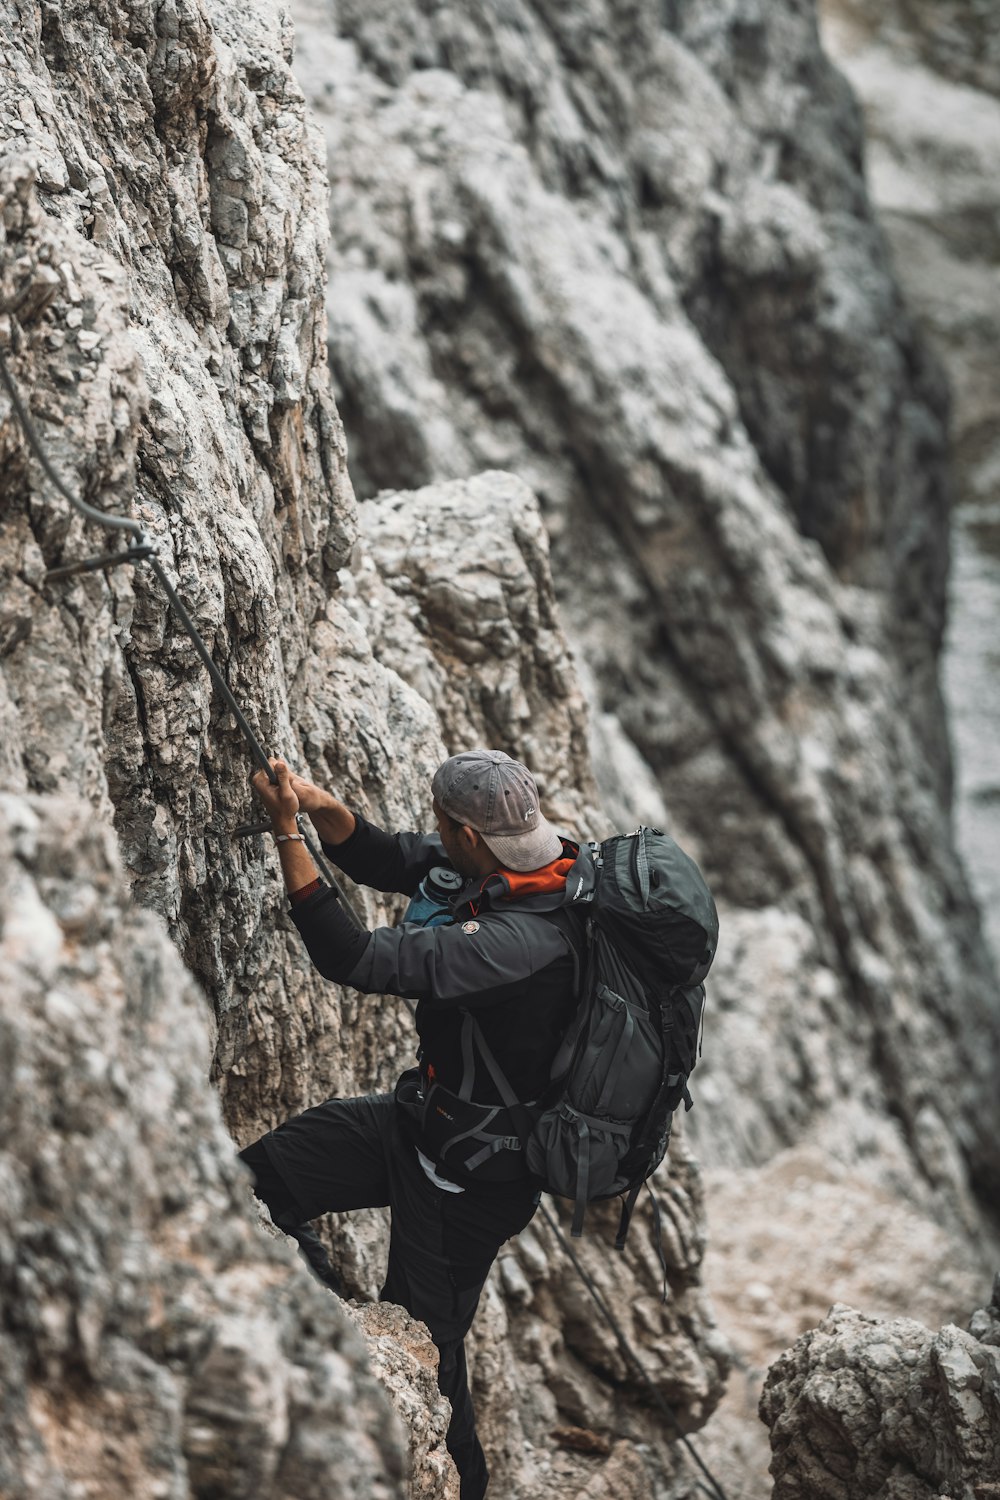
(143, 549)
(119, 523)
(628, 1353)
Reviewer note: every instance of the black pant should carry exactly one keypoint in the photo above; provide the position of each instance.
(352, 1153)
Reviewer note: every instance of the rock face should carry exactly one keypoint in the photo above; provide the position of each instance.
(928, 77)
(155, 1343)
(861, 1407)
(161, 269)
(628, 254)
(615, 251)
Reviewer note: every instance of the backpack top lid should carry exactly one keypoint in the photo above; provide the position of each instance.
(653, 902)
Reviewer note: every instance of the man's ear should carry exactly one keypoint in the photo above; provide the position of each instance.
(470, 838)
(480, 854)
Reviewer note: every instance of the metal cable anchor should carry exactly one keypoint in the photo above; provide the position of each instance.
(247, 830)
(138, 550)
(141, 548)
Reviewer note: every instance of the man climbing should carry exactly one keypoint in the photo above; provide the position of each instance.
(497, 978)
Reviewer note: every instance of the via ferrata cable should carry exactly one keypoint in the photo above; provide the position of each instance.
(142, 548)
(629, 1354)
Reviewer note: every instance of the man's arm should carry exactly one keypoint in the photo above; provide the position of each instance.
(440, 965)
(343, 943)
(387, 861)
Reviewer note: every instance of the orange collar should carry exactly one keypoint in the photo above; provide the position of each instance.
(516, 883)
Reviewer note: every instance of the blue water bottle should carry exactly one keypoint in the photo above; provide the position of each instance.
(429, 903)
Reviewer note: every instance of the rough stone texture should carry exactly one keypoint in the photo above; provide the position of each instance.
(482, 642)
(627, 252)
(161, 266)
(787, 1242)
(928, 77)
(956, 39)
(405, 1361)
(239, 473)
(862, 1407)
(154, 1345)
(614, 250)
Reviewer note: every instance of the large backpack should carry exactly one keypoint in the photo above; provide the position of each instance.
(649, 938)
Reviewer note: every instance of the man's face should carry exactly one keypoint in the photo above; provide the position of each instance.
(456, 848)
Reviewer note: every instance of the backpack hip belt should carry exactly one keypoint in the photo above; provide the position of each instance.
(469, 1141)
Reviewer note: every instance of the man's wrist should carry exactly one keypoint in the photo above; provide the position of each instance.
(284, 825)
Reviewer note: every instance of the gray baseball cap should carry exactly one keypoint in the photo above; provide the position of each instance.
(497, 796)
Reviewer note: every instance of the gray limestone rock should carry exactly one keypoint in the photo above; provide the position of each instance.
(155, 1343)
(161, 269)
(405, 1362)
(627, 253)
(862, 1407)
(928, 78)
(955, 39)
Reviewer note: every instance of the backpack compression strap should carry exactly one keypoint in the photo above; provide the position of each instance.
(525, 1125)
(472, 1037)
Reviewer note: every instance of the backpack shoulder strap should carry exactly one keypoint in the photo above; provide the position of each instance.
(574, 924)
(472, 1033)
(575, 931)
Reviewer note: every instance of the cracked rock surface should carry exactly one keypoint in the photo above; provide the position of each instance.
(864, 1407)
(616, 339)
(155, 1344)
(627, 252)
(162, 229)
(928, 79)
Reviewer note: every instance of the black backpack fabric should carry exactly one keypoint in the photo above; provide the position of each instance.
(649, 938)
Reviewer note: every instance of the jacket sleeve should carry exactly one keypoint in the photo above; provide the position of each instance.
(334, 943)
(439, 965)
(386, 861)
(443, 966)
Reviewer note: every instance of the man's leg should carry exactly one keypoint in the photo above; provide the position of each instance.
(420, 1278)
(440, 1252)
(352, 1154)
(462, 1440)
(272, 1190)
(330, 1158)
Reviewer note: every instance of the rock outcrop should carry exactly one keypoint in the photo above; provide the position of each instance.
(161, 272)
(625, 254)
(155, 1343)
(928, 78)
(862, 1407)
(629, 255)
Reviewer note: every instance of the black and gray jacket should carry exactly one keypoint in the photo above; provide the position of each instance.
(506, 958)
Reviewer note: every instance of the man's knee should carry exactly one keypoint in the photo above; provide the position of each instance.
(268, 1184)
(286, 1215)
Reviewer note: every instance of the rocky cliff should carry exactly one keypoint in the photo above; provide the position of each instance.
(155, 1342)
(161, 277)
(862, 1406)
(628, 252)
(928, 78)
(632, 259)
(616, 340)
